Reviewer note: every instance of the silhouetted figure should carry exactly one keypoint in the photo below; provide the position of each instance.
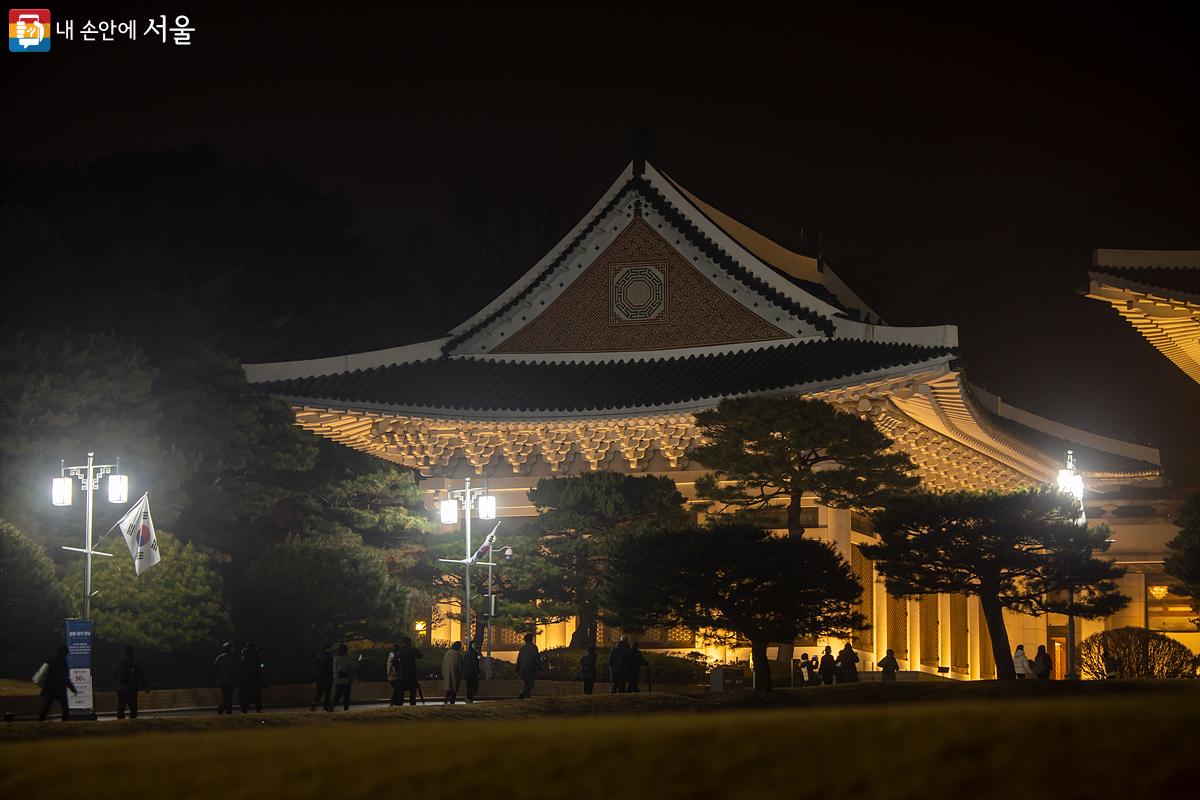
(587, 669)
(224, 669)
(1021, 663)
(616, 665)
(527, 665)
(1112, 666)
(1043, 664)
(452, 672)
(250, 690)
(634, 661)
(471, 671)
(56, 682)
(322, 670)
(393, 676)
(847, 672)
(889, 666)
(410, 679)
(828, 666)
(343, 676)
(805, 670)
(129, 678)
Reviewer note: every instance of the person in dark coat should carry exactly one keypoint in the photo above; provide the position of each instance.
(471, 671)
(527, 665)
(343, 676)
(1043, 664)
(889, 666)
(805, 669)
(224, 669)
(616, 665)
(634, 661)
(250, 690)
(587, 669)
(393, 676)
(827, 667)
(323, 680)
(55, 684)
(129, 678)
(410, 678)
(846, 671)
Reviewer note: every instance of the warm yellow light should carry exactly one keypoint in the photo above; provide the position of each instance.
(449, 511)
(419, 626)
(60, 492)
(1158, 592)
(487, 506)
(118, 488)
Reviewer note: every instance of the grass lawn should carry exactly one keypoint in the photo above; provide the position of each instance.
(1117, 744)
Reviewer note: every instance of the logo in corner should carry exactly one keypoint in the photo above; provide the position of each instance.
(29, 30)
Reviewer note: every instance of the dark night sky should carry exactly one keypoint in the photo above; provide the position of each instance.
(960, 169)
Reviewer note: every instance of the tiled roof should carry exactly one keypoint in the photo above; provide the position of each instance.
(695, 236)
(471, 384)
(1089, 460)
(1172, 279)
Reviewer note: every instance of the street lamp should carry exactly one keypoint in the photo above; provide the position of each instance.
(89, 476)
(1071, 482)
(471, 499)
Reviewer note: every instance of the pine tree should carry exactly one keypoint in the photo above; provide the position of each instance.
(563, 555)
(1184, 561)
(781, 448)
(732, 577)
(1023, 551)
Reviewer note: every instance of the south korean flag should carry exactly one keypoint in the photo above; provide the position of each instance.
(138, 529)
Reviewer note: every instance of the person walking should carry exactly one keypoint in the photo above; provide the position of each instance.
(828, 666)
(587, 669)
(1043, 664)
(888, 666)
(323, 679)
(527, 665)
(634, 661)
(343, 676)
(472, 670)
(616, 665)
(846, 659)
(410, 678)
(129, 678)
(452, 669)
(393, 676)
(224, 669)
(56, 682)
(1021, 664)
(250, 672)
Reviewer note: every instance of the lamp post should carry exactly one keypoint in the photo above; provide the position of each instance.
(1071, 482)
(89, 476)
(486, 503)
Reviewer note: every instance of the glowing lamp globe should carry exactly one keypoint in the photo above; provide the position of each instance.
(118, 488)
(60, 492)
(449, 511)
(487, 506)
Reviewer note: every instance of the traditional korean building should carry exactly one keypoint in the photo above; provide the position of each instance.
(653, 307)
(1158, 293)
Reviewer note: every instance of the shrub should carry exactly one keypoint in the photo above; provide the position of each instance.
(562, 664)
(1140, 654)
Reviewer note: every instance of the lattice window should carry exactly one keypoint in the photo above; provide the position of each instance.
(929, 630)
(987, 663)
(607, 635)
(506, 637)
(959, 634)
(897, 625)
(863, 570)
(681, 636)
